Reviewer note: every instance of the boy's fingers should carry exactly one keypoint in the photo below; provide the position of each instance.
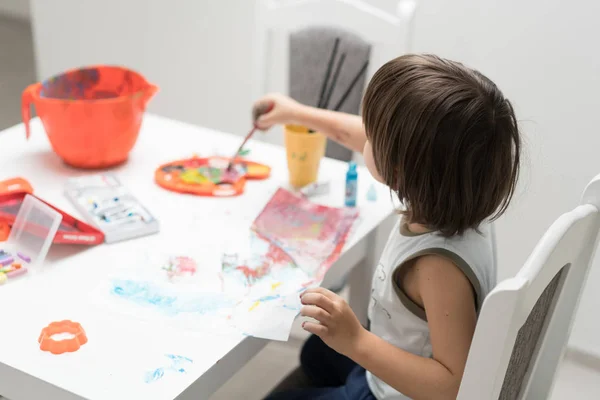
(315, 312)
(319, 300)
(264, 122)
(314, 328)
(261, 108)
(327, 293)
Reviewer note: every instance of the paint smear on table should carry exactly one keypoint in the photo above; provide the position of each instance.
(174, 364)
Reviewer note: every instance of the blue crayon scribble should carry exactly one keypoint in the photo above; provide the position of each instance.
(269, 298)
(155, 375)
(178, 358)
(178, 364)
(147, 294)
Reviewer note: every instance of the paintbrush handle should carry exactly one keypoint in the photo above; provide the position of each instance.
(248, 136)
(360, 73)
(257, 111)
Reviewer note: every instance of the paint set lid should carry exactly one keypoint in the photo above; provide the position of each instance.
(33, 231)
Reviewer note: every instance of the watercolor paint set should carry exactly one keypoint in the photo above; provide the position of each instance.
(109, 206)
(30, 238)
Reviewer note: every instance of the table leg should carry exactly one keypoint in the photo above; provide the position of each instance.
(361, 275)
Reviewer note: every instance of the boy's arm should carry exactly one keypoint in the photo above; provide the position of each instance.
(448, 299)
(346, 129)
(449, 302)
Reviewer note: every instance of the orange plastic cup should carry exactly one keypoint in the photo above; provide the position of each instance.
(92, 115)
(304, 153)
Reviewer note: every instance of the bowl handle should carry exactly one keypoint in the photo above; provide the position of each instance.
(26, 103)
(149, 92)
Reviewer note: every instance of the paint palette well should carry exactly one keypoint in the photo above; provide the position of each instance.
(209, 176)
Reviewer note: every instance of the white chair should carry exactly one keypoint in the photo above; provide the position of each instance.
(525, 321)
(388, 33)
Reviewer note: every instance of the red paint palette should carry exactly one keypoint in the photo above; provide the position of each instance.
(209, 176)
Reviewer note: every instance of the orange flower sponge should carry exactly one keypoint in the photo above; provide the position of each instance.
(74, 329)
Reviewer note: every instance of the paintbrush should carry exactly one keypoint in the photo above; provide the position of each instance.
(334, 79)
(328, 72)
(360, 73)
(256, 113)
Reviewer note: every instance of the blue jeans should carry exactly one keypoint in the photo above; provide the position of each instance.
(333, 376)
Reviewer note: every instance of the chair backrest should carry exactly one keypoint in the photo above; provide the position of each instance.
(388, 33)
(316, 51)
(525, 321)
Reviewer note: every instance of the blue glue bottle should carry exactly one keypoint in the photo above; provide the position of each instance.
(351, 185)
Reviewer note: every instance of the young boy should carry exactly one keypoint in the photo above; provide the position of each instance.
(446, 141)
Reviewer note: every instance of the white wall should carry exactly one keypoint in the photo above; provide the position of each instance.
(15, 8)
(198, 52)
(542, 53)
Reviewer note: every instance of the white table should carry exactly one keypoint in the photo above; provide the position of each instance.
(111, 365)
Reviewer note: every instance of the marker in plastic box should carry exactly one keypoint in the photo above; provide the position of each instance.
(16, 272)
(7, 261)
(31, 247)
(23, 257)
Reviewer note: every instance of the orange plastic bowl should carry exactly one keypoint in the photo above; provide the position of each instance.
(92, 115)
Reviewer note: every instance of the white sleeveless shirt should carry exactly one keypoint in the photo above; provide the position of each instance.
(401, 322)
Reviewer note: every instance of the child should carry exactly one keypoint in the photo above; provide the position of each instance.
(446, 141)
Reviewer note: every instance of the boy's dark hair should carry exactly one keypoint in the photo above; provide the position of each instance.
(445, 139)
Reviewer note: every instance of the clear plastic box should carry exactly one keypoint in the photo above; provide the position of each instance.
(30, 238)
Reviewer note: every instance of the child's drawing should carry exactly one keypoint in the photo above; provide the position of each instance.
(247, 285)
(262, 260)
(175, 363)
(312, 235)
(180, 266)
(147, 294)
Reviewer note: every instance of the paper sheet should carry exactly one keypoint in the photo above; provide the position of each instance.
(249, 286)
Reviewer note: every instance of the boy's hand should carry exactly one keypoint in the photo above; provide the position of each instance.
(338, 326)
(284, 111)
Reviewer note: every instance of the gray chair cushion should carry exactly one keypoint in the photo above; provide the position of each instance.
(310, 50)
(527, 340)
